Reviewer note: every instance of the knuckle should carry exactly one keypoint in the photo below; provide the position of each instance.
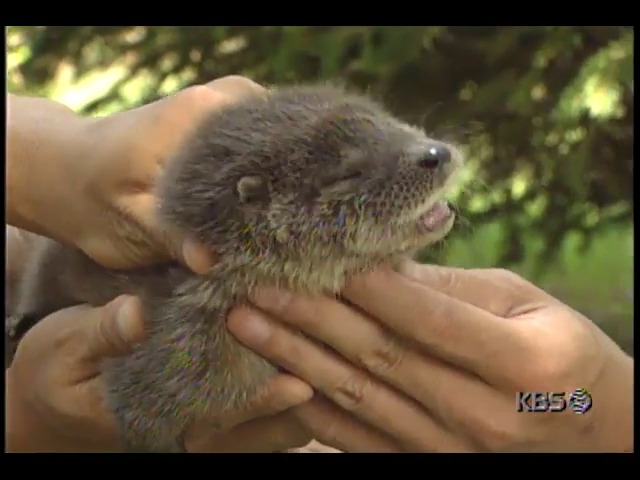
(387, 355)
(352, 392)
(440, 328)
(306, 312)
(276, 344)
(554, 359)
(277, 302)
(547, 373)
(244, 83)
(290, 433)
(327, 432)
(291, 437)
(198, 94)
(260, 405)
(283, 348)
(278, 396)
(273, 401)
(532, 363)
(550, 374)
(237, 86)
(449, 279)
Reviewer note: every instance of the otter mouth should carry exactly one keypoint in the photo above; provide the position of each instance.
(426, 225)
(436, 217)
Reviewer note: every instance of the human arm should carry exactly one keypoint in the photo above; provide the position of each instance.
(432, 360)
(45, 140)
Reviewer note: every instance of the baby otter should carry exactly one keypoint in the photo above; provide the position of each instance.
(295, 190)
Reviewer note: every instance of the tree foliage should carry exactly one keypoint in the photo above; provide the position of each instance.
(545, 113)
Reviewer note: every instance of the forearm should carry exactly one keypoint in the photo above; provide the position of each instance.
(45, 150)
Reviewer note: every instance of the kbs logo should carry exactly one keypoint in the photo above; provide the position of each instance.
(579, 401)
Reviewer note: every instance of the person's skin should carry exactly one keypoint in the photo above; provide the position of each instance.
(99, 173)
(431, 359)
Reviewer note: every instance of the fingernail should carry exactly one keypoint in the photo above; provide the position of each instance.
(271, 299)
(249, 326)
(196, 256)
(127, 318)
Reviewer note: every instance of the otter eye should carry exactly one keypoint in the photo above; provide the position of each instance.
(252, 188)
(436, 156)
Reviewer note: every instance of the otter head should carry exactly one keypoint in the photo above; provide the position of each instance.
(311, 174)
(356, 181)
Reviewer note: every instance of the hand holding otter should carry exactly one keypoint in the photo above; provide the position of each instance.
(432, 360)
(56, 396)
(105, 204)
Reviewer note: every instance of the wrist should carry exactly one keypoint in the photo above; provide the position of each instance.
(47, 152)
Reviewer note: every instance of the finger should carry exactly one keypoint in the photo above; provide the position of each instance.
(196, 256)
(112, 330)
(449, 329)
(186, 250)
(84, 335)
(385, 355)
(315, 447)
(334, 427)
(236, 86)
(495, 290)
(281, 393)
(350, 388)
(263, 435)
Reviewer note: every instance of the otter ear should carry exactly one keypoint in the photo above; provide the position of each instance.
(252, 188)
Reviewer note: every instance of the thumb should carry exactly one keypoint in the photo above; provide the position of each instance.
(444, 279)
(499, 291)
(195, 256)
(112, 330)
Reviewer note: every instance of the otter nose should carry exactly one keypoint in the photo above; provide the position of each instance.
(435, 156)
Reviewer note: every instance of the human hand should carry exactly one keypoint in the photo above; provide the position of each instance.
(99, 174)
(55, 390)
(431, 360)
(129, 150)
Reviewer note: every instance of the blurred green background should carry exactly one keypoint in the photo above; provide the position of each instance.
(545, 115)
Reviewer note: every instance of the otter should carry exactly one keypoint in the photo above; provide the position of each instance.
(297, 189)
